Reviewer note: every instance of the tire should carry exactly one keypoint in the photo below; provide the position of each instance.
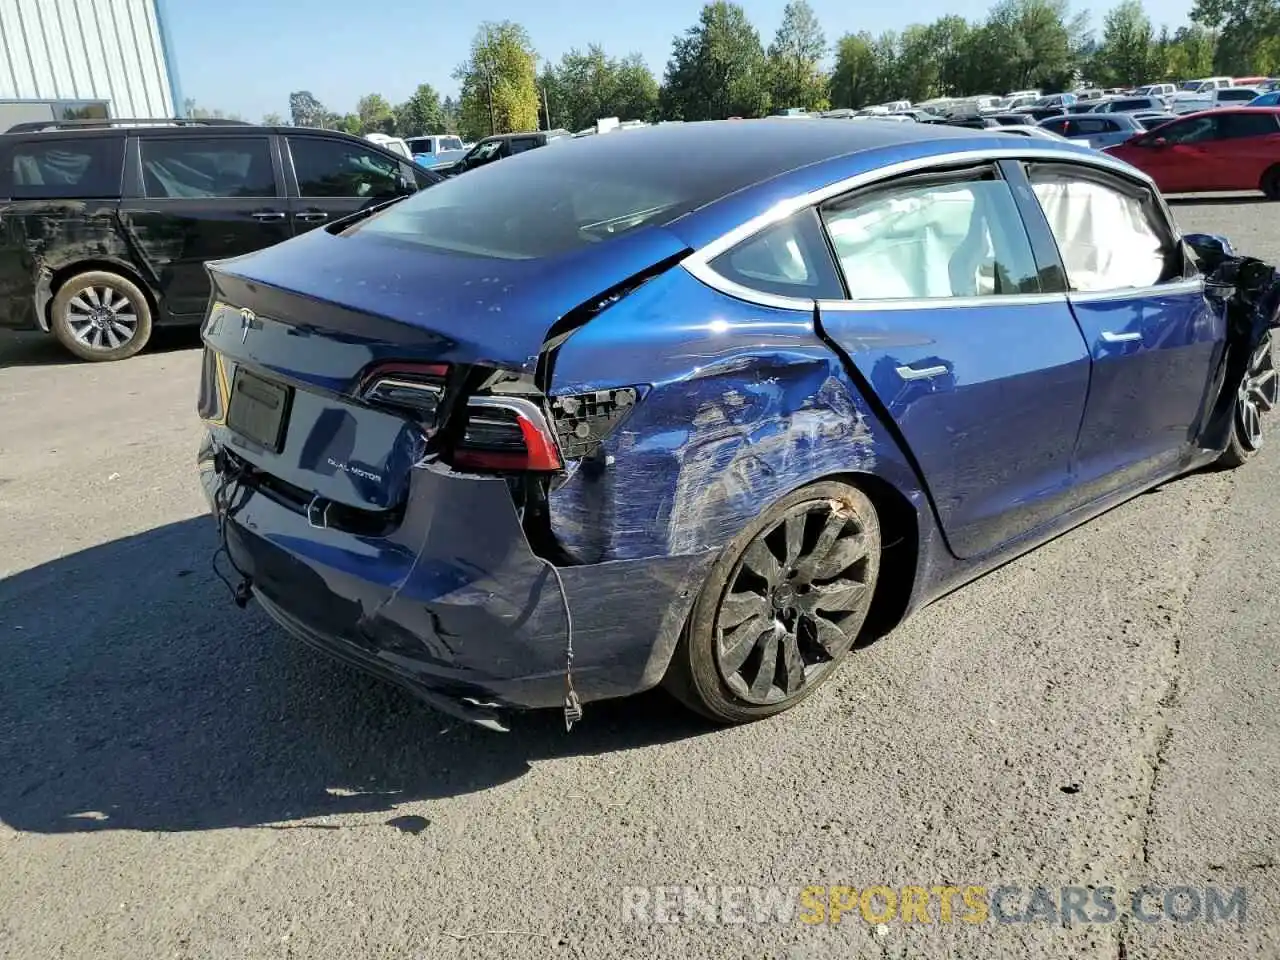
(101, 316)
(1255, 396)
(781, 606)
(1270, 184)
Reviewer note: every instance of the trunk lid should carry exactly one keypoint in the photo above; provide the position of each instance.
(293, 328)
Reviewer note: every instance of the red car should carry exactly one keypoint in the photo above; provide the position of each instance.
(1229, 149)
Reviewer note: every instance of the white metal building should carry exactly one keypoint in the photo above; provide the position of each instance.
(83, 59)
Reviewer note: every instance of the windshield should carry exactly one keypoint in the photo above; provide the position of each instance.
(532, 210)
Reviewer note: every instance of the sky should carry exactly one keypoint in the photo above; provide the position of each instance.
(246, 56)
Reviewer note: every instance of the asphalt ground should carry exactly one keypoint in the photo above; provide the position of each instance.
(180, 780)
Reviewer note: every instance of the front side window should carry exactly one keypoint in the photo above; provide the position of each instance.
(1196, 130)
(186, 168)
(66, 168)
(789, 259)
(1110, 237)
(337, 168)
(932, 238)
(520, 146)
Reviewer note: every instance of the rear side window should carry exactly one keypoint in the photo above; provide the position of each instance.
(338, 168)
(520, 146)
(927, 238)
(187, 168)
(66, 168)
(1235, 125)
(789, 259)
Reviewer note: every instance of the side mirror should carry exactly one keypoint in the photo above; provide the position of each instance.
(1209, 245)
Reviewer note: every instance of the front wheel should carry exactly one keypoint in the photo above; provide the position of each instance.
(1257, 394)
(781, 607)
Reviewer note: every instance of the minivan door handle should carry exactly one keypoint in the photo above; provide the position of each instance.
(269, 215)
(1110, 337)
(309, 216)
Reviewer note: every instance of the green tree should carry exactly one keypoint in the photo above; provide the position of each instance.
(421, 113)
(305, 110)
(947, 37)
(584, 87)
(854, 78)
(1248, 34)
(1126, 52)
(635, 94)
(197, 112)
(717, 68)
(347, 123)
(795, 60)
(272, 120)
(499, 85)
(375, 114)
(451, 111)
(1024, 43)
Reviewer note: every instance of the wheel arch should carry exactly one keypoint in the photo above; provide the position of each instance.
(57, 278)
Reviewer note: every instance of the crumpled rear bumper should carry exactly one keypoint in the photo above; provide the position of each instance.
(454, 604)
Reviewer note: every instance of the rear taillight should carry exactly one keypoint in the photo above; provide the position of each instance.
(414, 389)
(506, 433)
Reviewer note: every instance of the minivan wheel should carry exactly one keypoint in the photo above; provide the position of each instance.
(781, 607)
(101, 316)
(1257, 394)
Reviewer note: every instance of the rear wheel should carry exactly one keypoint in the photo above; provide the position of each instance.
(1257, 394)
(101, 316)
(782, 606)
(1270, 184)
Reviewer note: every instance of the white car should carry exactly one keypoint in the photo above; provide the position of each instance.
(1027, 130)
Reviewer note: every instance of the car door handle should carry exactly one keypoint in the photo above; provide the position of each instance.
(921, 373)
(311, 215)
(269, 215)
(1110, 337)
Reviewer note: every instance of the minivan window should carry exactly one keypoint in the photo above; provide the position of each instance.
(337, 168)
(1234, 125)
(66, 168)
(186, 167)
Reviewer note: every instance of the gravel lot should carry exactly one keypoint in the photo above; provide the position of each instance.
(181, 781)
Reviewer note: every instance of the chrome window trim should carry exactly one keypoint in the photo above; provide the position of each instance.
(941, 303)
(698, 262)
(1172, 289)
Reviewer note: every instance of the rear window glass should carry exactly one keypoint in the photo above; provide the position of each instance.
(538, 205)
(1237, 94)
(66, 168)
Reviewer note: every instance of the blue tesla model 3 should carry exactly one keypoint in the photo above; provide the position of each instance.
(702, 404)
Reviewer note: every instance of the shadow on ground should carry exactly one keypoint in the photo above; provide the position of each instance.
(36, 349)
(1215, 200)
(137, 696)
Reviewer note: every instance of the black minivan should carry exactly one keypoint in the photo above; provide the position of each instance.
(105, 226)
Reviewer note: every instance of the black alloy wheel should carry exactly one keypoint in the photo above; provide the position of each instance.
(782, 606)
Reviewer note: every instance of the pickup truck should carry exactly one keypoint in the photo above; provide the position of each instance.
(1181, 103)
(433, 151)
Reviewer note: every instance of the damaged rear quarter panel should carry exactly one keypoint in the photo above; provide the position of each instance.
(745, 404)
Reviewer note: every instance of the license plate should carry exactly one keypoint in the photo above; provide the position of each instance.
(258, 410)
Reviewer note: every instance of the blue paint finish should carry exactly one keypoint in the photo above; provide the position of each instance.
(748, 404)
(994, 434)
(473, 309)
(1145, 396)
